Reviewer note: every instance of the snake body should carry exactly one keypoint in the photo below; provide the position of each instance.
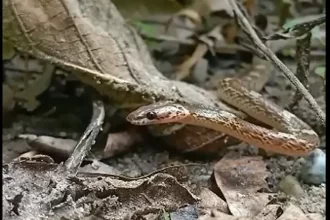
(292, 136)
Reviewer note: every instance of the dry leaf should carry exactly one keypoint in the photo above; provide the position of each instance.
(138, 9)
(216, 215)
(98, 47)
(315, 216)
(55, 195)
(27, 87)
(239, 179)
(250, 6)
(230, 33)
(204, 141)
(270, 212)
(209, 200)
(207, 6)
(121, 141)
(60, 146)
(292, 212)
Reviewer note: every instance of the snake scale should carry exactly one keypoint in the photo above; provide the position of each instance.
(292, 136)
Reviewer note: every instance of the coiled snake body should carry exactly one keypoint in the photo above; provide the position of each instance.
(292, 136)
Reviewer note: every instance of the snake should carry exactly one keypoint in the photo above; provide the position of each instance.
(290, 135)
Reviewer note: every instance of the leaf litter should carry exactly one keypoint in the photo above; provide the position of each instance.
(109, 195)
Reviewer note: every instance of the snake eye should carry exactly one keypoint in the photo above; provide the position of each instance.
(151, 115)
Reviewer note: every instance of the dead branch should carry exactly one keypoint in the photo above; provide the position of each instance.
(243, 22)
(87, 139)
(303, 58)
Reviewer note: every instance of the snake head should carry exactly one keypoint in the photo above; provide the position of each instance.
(158, 113)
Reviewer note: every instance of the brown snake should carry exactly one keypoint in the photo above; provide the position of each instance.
(293, 136)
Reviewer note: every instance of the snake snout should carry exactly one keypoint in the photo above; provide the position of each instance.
(158, 114)
(139, 117)
(133, 119)
(130, 117)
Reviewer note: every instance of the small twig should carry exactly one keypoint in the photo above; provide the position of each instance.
(272, 57)
(87, 140)
(183, 70)
(298, 30)
(172, 170)
(303, 59)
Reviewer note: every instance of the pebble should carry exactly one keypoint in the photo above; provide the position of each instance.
(313, 171)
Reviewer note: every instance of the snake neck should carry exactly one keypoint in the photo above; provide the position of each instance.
(278, 142)
(214, 119)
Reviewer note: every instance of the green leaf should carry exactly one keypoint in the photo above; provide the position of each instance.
(317, 33)
(320, 71)
(145, 28)
(298, 28)
(290, 23)
(290, 52)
